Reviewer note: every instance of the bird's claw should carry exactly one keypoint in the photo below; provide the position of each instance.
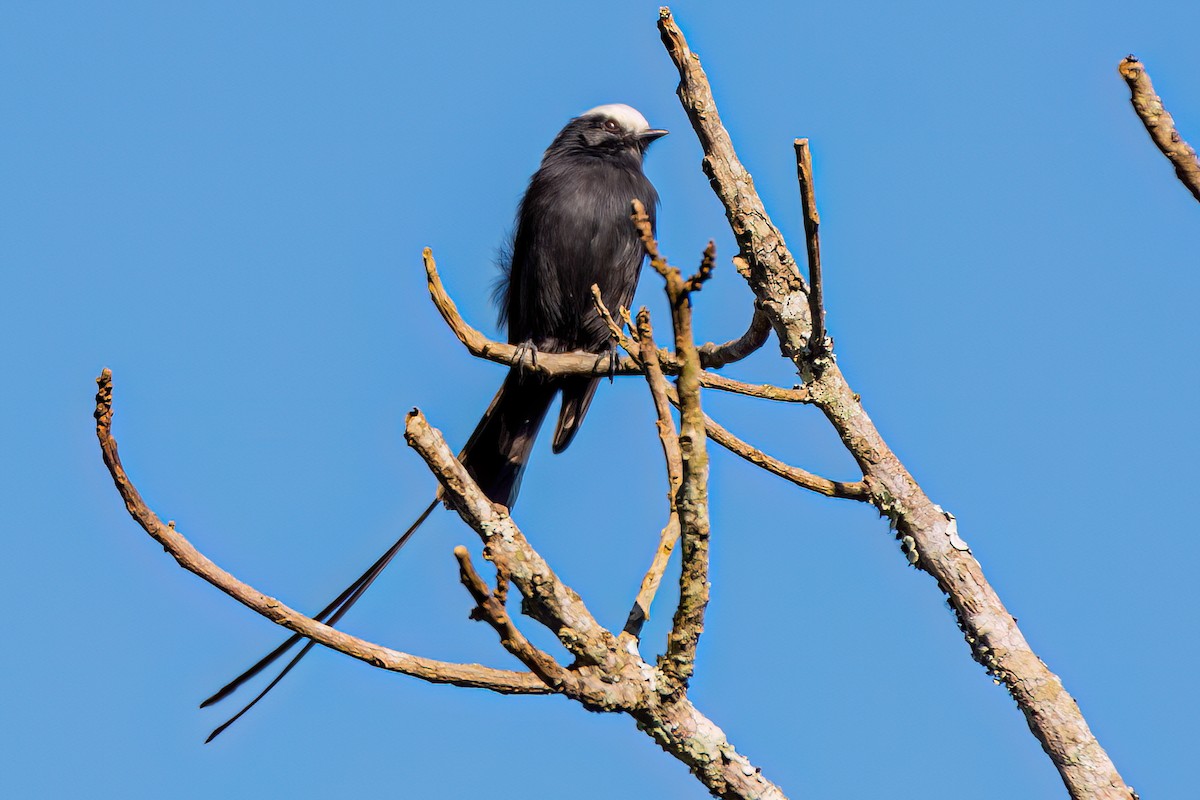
(525, 350)
(614, 361)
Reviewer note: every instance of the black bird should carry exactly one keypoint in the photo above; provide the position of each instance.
(573, 229)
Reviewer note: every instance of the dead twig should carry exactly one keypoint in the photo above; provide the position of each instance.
(818, 343)
(853, 490)
(708, 262)
(765, 391)
(715, 356)
(1160, 125)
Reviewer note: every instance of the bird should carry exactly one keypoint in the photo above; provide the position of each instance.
(573, 230)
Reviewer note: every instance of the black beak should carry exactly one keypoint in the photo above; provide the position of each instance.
(646, 137)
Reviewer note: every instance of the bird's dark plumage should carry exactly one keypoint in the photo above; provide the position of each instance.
(573, 230)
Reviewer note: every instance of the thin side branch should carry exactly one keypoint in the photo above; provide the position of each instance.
(1160, 125)
(853, 490)
(765, 391)
(491, 608)
(668, 537)
(641, 221)
(615, 328)
(660, 392)
(191, 559)
(708, 263)
(812, 224)
(715, 356)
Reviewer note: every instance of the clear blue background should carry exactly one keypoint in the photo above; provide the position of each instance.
(226, 205)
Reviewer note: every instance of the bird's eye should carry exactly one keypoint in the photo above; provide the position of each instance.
(612, 126)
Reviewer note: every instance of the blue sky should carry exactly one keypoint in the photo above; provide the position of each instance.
(226, 205)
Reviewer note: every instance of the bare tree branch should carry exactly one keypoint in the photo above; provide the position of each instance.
(1160, 125)
(191, 559)
(928, 535)
(680, 729)
(580, 363)
(668, 537)
(708, 262)
(615, 328)
(659, 390)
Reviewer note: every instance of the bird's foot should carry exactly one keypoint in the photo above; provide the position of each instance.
(525, 357)
(614, 360)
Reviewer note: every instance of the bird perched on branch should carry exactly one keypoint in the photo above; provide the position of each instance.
(573, 230)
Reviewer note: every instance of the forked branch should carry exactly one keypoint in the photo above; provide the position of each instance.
(492, 609)
(558, 607)
(851, 490)
(848, 490)
(608, 675)
(691, 498)
(672, 455)
(581, 363)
